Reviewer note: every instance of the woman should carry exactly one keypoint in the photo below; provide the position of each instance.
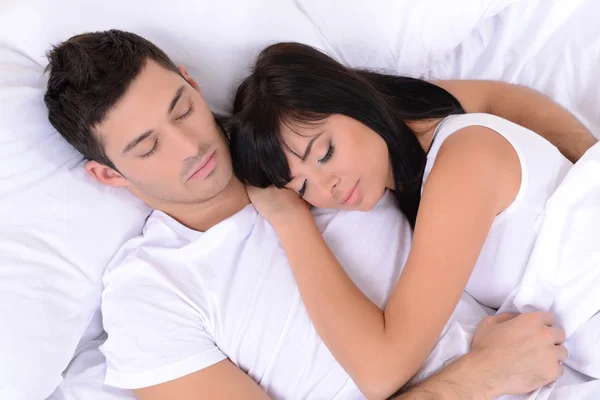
(471, 186)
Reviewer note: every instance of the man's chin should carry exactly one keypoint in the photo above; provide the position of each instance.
(190, 193)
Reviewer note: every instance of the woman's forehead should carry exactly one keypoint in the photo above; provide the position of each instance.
(296, 135)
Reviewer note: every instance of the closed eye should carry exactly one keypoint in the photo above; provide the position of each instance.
(152, 150)
(187, 113)
(302, 189)
(327, 155)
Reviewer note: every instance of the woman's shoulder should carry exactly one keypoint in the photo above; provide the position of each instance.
(476, 157)
(458, 121)
(476, 144)
(488, 136)
(477, 136)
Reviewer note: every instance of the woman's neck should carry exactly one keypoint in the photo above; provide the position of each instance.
(424, 130)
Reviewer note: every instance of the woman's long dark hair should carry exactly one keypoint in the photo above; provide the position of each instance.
(295, 83)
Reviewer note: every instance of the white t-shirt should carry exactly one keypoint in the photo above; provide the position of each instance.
(508, 247)
(177, 300)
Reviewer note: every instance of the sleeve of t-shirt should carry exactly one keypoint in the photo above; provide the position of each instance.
(155, 333)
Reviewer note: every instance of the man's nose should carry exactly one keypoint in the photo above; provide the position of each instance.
(185, 144)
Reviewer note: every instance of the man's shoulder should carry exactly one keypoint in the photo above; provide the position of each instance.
(166, 244)
(157, 233)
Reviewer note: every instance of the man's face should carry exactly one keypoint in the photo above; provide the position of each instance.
(163, 139)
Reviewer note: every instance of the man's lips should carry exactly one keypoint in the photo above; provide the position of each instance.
(203, 167)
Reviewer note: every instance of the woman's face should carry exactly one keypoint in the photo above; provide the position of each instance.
(338, 163)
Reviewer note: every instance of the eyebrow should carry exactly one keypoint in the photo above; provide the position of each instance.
(176, 98)
(309, 147)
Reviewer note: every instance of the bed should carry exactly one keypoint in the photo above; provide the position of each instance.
(60, 229)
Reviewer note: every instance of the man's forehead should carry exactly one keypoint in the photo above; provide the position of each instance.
(147, 97)
(153, 79)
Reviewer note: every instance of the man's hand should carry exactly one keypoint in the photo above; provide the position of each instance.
(521, 353)
(510, 354)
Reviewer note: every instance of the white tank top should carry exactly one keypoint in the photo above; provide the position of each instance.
(507, 249)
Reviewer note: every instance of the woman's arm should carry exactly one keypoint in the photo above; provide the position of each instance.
(476, 176)
(526, 107)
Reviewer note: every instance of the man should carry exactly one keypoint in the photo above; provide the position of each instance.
(203, 304)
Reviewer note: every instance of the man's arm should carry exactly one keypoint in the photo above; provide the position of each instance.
(458, 381)
(157, 343)
(221, 381)
(510, 355)
(526, 107)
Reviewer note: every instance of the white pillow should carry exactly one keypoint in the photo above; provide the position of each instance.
(84, 378)
(59, 228)
(218, 39)
(215, 40)
(557, 51)
(402, 36)
(58, 232)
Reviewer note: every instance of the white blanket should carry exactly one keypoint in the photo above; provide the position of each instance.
(563, 276)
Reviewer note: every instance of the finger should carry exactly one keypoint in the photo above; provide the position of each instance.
(547, 317)
(559, 371)
(502, 317)
(559, 335)
(562, 354)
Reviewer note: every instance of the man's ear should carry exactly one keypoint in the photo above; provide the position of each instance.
(105, 174)
(188, 78)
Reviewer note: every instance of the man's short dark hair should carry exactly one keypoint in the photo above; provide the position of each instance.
(88, 75)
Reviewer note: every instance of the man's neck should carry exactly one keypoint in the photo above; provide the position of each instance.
(203, 216)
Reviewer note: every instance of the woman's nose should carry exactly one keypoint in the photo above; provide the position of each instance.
(329, 184)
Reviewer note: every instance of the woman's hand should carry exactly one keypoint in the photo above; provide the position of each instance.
(277, 205)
